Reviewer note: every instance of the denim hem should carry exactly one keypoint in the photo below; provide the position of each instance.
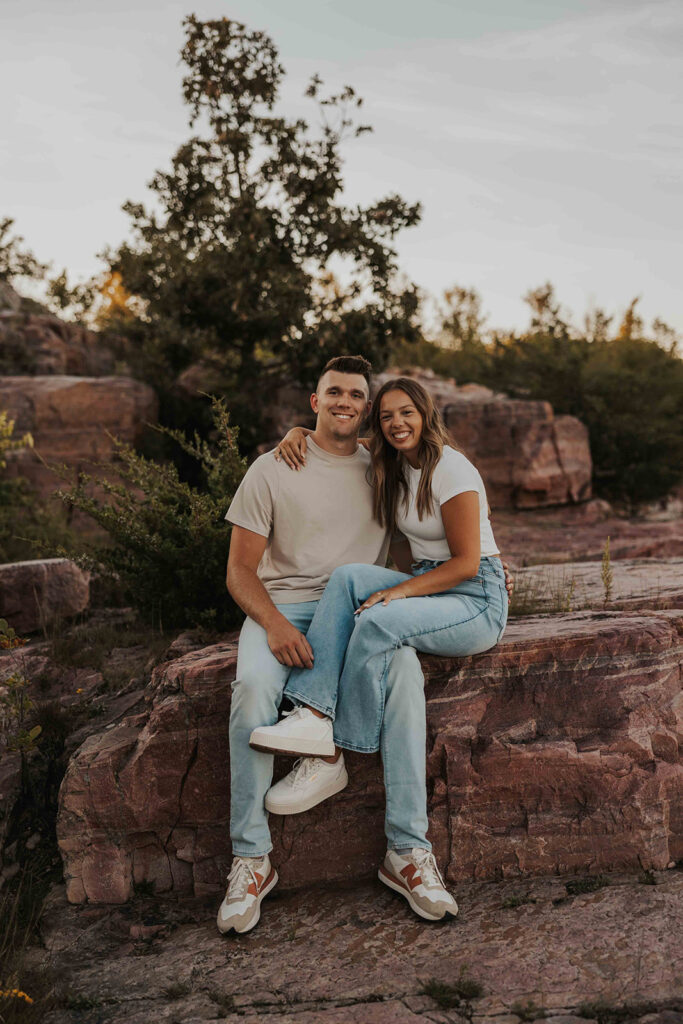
(305, 699)
(407, 849)
(238, 853)
(355, 747)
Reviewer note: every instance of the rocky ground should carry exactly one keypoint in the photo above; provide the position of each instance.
(577, 533)
(516, 952)
(633, 583)
(602, 946)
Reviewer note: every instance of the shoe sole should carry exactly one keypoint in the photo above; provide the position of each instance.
(257, 916)
(335, 786)
(294, 747)
(392, 883)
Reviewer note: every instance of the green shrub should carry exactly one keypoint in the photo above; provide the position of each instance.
(29, 527)
(169, 540)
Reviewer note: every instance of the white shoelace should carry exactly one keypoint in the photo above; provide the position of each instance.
(429, 871)
(303, 769)
(297, 712)
(240, 877)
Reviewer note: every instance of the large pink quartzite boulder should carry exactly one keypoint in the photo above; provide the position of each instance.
(71, 420)
(39, 343)
(37, 593)
(559, 751)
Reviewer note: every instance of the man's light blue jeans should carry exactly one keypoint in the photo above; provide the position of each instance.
(348, 681)
(256, 696)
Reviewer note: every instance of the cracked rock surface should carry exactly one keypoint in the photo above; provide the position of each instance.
(359, 956)
(558, 751)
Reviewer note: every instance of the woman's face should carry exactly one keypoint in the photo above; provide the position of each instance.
(400, 421)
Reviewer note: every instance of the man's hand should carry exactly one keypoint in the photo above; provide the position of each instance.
(509, 580)
(289, 646)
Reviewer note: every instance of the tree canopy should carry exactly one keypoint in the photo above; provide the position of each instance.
(233, 264)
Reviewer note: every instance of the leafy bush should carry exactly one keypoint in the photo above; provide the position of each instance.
(14, 494)
(169, 540)
(627, 389)
(628, 392)
(29, 527)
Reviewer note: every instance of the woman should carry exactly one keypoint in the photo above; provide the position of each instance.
(448, 597)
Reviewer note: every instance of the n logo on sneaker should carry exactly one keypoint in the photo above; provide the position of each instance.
(411, 876)
(255, 889)
(256, 885)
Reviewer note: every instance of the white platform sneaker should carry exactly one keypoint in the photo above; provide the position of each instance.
(416, 876)
(299, 732)
(250, 879)
(310, 781)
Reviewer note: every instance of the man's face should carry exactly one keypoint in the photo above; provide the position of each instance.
(341, 404)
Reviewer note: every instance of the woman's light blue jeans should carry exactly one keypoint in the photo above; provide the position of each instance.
(352, 652)
(256, 695)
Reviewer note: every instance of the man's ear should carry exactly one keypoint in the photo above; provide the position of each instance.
(314, 402)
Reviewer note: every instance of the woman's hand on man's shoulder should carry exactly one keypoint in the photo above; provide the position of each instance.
(292, 448)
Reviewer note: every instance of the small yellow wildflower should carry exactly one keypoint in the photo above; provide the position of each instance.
(14, 993)
(79, 690)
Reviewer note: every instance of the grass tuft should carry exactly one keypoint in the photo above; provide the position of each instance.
(223, 1000)
(536, 593)
(512, 902)
(607, 1013)
(591, 883)
(178, 990)
(528, 1011)
(447, 997)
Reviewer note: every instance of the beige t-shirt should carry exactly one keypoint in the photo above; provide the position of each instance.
(315, 520)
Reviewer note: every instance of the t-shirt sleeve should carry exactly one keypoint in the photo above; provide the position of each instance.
(454, 476)
(252, 505)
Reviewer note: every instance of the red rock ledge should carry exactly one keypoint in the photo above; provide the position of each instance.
(559, 751)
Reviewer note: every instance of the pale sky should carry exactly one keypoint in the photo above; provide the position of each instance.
(543, 137)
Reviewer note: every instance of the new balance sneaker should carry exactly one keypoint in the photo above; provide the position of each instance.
(415, 876)
(299, 732)
(310, 781)
(250, 879)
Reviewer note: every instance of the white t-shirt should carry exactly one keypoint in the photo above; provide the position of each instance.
(453, 475)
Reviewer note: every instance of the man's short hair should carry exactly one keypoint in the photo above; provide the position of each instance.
(348, 364)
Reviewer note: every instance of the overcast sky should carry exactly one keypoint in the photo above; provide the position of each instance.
(542, 136)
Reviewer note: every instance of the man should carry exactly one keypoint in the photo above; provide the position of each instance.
(290, 531)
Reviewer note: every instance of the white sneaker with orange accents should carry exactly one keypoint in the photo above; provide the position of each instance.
(416, 876)
(250, 879)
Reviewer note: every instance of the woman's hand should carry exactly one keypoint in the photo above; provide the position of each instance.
(509, 580)
(292, 448)
(385, 596)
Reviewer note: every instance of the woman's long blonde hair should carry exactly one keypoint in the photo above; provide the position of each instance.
(389, 482)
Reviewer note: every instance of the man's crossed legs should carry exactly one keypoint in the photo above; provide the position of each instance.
(256, 698)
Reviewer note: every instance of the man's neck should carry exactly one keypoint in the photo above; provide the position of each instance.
(334, 445)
